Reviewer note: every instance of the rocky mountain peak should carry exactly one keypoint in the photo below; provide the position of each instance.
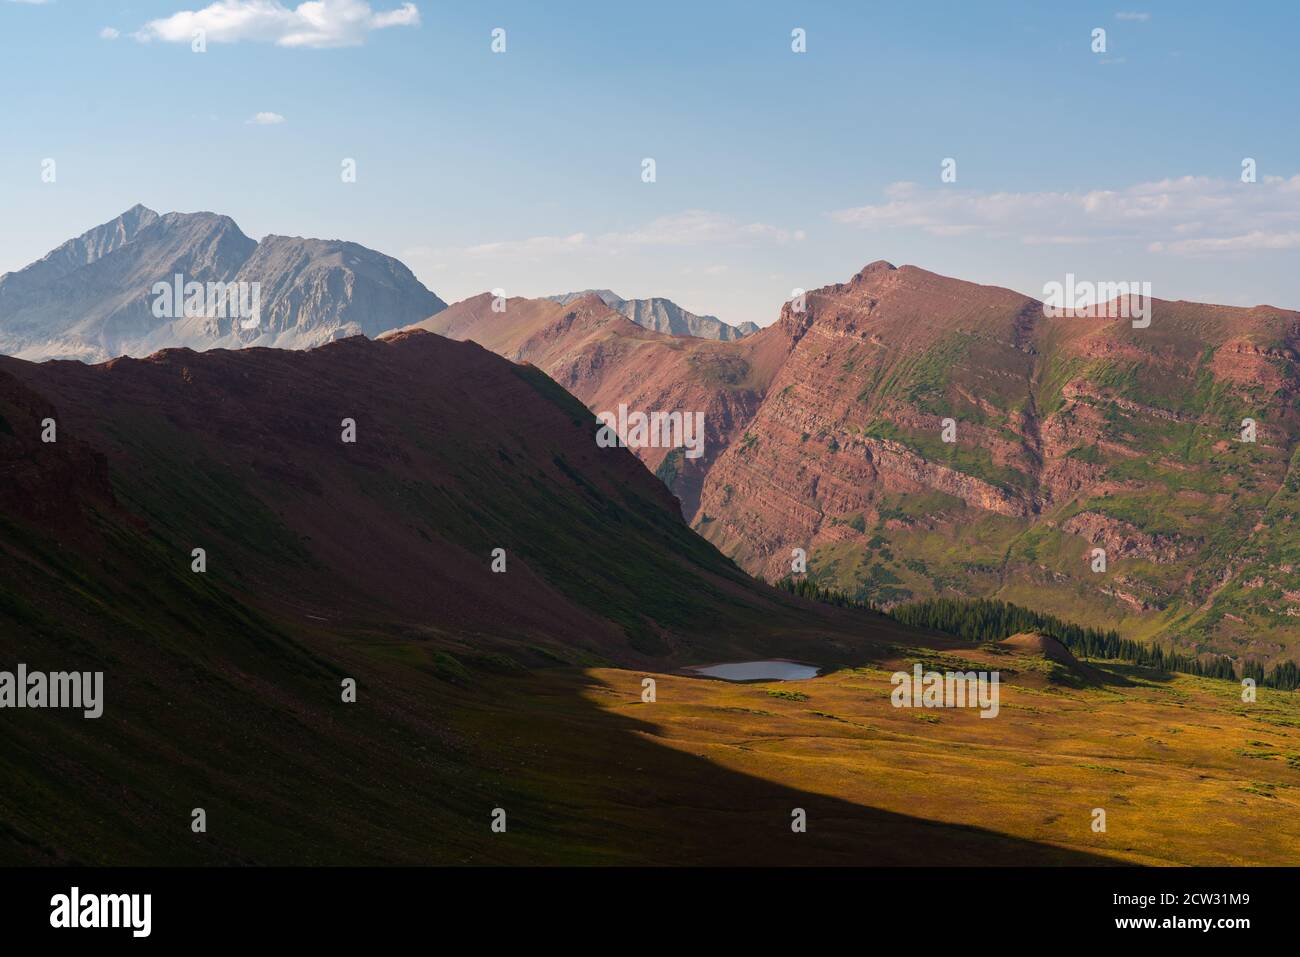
(873, 270)
(92, 298)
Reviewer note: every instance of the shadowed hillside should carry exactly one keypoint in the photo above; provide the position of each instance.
(324, 560)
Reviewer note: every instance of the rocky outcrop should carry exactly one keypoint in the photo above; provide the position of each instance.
(1121, 539)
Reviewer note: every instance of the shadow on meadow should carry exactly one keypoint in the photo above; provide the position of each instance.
(594, 786)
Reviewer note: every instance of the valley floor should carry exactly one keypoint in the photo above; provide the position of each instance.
(710, 772)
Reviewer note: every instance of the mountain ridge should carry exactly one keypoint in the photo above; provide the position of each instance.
(174, 450)
(663, 315)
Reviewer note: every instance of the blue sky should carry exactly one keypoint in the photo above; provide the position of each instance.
(774, 169)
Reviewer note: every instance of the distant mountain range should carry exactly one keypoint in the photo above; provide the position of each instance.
(664, 315)
(825, 432)
(93, 298)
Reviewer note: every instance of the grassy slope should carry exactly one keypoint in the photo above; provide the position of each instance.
(1168, 463)
(1186, 772)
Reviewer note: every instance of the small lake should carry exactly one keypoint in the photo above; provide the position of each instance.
(757, 671)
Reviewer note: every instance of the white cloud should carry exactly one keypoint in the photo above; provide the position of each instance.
(265, 119)
(318, 24)
(109, 33)
(1133, 15)
(1186, 215)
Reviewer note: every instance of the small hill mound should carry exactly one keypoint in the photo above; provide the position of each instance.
(1064, 668)
(1031, 643)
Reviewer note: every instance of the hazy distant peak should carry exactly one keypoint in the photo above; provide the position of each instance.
(92, 298)
(90, 245)
(199, 219)
(592, 300)
(608, 297)
(663, 315)
(138, 213)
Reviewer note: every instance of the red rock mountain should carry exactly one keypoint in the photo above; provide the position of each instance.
(826, 432)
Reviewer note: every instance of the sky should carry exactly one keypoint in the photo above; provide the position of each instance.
(524, 170)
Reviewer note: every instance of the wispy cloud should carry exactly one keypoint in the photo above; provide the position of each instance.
(1255, 241)
(109, 33)
(319, 24)
(265, 119)
(699, 227)
(689, 228)
(1133, 15)
(530, 248)
(1186, 215)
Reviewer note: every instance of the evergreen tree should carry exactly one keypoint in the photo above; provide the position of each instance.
(982, 620)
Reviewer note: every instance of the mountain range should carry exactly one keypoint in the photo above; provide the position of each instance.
(93, 297)
(664, 315)
(825, 432)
